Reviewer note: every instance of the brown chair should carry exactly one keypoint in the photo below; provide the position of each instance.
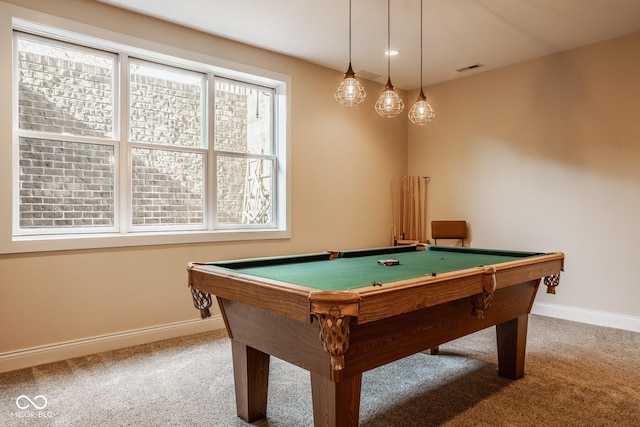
(455, 230)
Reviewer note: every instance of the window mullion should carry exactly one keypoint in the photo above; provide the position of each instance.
(210, 171)
(124, 163)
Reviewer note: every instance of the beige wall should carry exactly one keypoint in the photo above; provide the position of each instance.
(341, 159)
(545, 156)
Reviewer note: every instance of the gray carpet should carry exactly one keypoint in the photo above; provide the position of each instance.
(576, 375)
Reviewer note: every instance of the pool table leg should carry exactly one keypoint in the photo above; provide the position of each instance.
(251, 375)
(512, 343)
(335, 404)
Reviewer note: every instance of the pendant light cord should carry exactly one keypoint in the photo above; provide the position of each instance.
(388, 38)
(350, 31)
(420, 44)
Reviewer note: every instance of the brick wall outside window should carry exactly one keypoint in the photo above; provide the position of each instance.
(65, 184)
(71, 184)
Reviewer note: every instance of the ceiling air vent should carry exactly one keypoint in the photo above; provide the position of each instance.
(470, 67)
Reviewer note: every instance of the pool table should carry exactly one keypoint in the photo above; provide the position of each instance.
(338, 314)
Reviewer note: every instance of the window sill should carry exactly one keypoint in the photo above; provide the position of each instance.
(99, 241)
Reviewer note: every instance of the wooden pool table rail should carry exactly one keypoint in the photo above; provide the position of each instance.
(374, 303)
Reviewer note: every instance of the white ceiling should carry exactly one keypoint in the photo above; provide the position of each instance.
(457, 33)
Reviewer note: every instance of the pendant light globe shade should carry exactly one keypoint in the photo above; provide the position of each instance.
(422, 112)
(389, 104)
(350, 92)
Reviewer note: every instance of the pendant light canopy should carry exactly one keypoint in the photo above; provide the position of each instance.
(422, 112)
(350, 92)
(389, 104)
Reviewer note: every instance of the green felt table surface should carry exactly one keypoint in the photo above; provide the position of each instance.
(355, 270)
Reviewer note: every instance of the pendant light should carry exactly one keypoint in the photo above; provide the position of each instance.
(389, 104)
(422, 112)
(350, 92)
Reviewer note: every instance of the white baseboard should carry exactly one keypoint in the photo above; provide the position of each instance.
(65, 350)
(593, 317)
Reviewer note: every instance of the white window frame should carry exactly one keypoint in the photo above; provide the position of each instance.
(204, 149)
(111, 141)
(29, 21)
(215, 153)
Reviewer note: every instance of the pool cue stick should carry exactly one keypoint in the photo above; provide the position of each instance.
(416, 208)
(413, 209)
(409, 219)
(409, 208)
(407, 212)
(419, 213)
(402, 207)
(413, 212)
(426, 183)
(394, 238)
(419, 207)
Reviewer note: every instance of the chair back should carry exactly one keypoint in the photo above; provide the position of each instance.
(449, 230)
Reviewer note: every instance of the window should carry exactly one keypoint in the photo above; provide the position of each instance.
(168, 147)
(66, 126)
(245, 158)
(117, 143)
